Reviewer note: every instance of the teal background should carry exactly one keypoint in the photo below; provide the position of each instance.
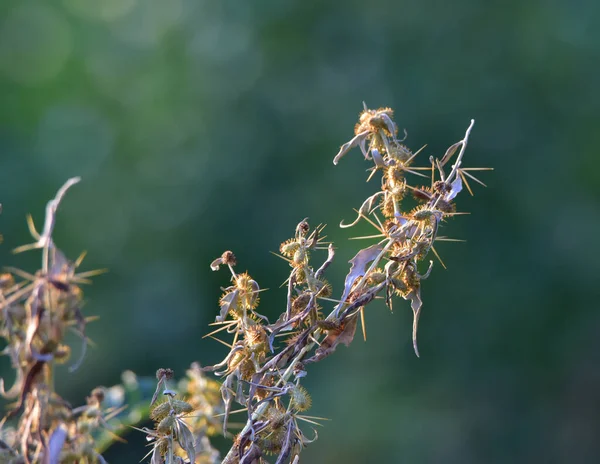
(200, 126)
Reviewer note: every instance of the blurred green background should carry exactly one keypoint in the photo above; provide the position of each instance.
(200, 126)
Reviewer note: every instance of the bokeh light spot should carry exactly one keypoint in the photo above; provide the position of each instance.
(101, 10)
(74, 137)
(146, 24)
(35, 43)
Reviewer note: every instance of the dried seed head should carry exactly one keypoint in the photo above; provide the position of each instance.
(160, 411)
(6, 281)
(248, 291)
(256, 338)
(299, 398)
(400, 152)
(98, 394)
(302, 228)
(300, 256)
(441, 187)
(422, 194)
(375, 120)
(166, 424)
(229, 258)
(329, 324)
(325, 290)
(289, 247)
(300, 302)
(167, 374)
(62, 353)
(376, 277)
(424, 213)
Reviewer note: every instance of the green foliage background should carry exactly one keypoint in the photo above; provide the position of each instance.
(200, 126)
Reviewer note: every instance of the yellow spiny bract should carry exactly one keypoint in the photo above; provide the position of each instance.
(289, 247)
(300, 399)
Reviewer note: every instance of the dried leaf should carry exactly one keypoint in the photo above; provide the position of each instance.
(156, 457)
(216, 264)
(226, 393)
(415, 303)
(81, 325)
(228, 303)
(377, 158)
(55, 445)
(450, 152)
(286, 447)
(185, 438)
(252, 456)
(356, 140)
(159, 386)
(390, 124)
(364, 210)
(358, 268)
(344, 334)
(455, 188)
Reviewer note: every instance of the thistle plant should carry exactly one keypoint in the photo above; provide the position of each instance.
(182, 426)
(267, 361)
(37, 310)
(263, 371)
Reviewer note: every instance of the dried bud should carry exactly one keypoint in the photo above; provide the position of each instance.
(98, 394)
(302, 228)
(299, 398)
(227, 258)
(167, 374)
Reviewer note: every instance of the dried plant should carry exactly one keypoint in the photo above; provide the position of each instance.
(266, 362)
(37, 311)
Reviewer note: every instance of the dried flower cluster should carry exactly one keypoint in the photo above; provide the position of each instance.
(266, 362)
(37, 310)
(182, 426)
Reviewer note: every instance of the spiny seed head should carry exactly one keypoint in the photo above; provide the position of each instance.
(393, 179)
(289, 247)
(376, 277)
(276, 417)
(229, 258)
(166, 424)
(160, 411)
(445, 206)
(162, 445)
(300, 256)
(388, 206)
(256, 337)
(181, 407)
(62, 354)
(300, 302)
(325, 290)
(329, 324)
(424, 213)
(164, 373)
(441, 187)
(248, 291)
(374, 120)
(422, 194)
(400, 152)
(163, 409)
(302, 229)
(300, 399)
